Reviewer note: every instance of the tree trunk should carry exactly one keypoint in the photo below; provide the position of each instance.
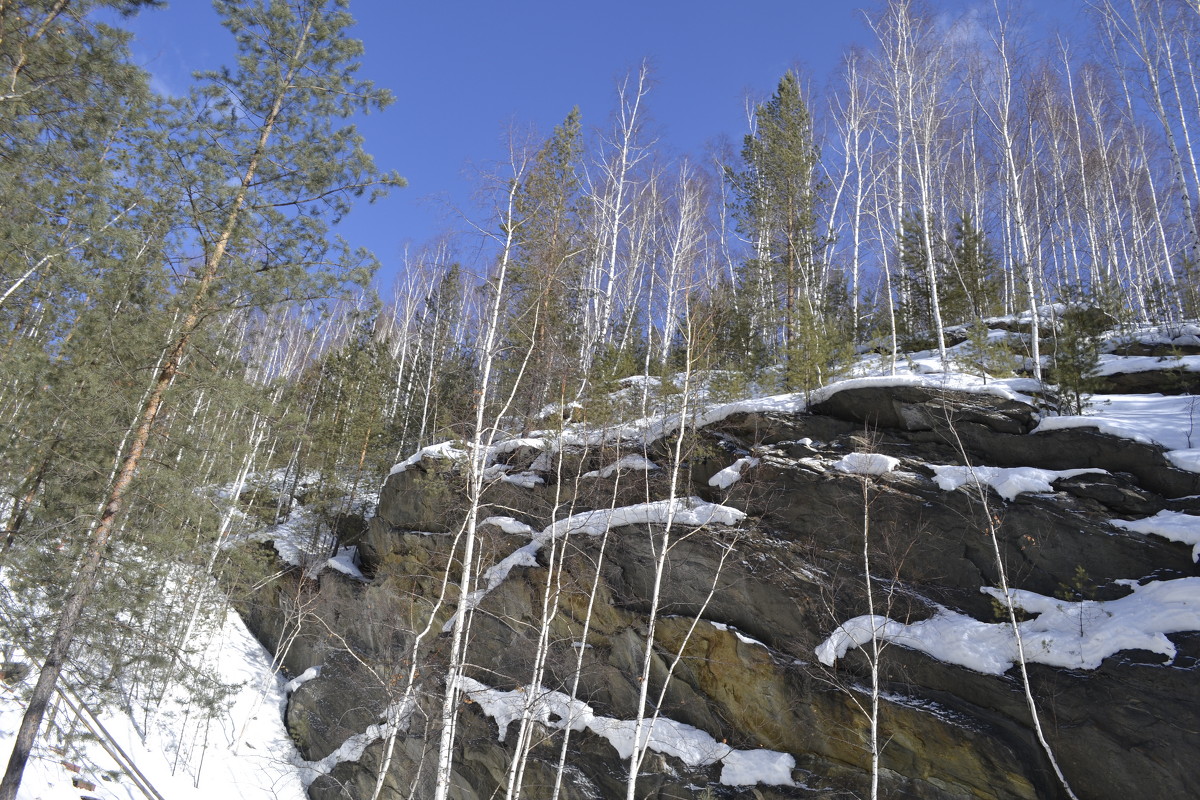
(84, 584)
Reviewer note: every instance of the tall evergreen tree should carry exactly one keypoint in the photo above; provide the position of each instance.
(778, 196)
(258, 159)
(975, 272)
(546, 270)
(74, 242)
(967, 272)
(68, 101)
(778, 206)
(915, 285)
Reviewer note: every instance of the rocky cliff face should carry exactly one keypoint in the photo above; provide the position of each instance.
(744, 606)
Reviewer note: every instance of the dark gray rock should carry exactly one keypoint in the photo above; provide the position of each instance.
(921, 408)
(323, 712)
(991, 431)
(1161, 381)
(423, 497)
(785, 578)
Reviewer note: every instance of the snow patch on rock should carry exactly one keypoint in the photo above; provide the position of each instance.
(1062, 634)
(733, 473)
(1007, 481)
(692, 746)
(866, 464)
(1173, 525)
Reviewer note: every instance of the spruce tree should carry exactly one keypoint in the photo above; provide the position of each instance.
(975, 272)
(1078, 337)
(916, 322)
(967, 272)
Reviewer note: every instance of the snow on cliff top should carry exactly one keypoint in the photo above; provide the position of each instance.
(699, 412)
(1170, 421)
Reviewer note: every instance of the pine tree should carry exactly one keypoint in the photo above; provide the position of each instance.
(253, 163)
(778, 199)
(793, 301)
(546, 271)
(70, 98)
(820, 350)
(74, 239)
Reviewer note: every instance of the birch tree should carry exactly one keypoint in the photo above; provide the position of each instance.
(916, 72)
(851, 117)
(512, 227)
(610, 186)
(1153, 41)
(1005, 120)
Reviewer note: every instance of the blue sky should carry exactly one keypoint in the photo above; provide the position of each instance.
(465, 71)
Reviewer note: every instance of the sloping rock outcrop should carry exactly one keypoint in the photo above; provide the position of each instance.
(742, 608)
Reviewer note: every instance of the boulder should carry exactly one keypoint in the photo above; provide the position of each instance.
(1158, 381)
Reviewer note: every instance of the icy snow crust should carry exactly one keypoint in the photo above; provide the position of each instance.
(690, 745)
(1185, 459)
(445, 451)
(1123, 365)
(1186, 334)
(625, 462)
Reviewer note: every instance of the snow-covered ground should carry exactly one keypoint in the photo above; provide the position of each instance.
(1170, 421)
(1006, 482)
(244, 752)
